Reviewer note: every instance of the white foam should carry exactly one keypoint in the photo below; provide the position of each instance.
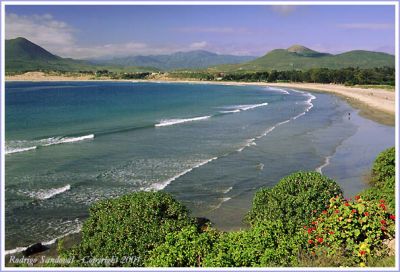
(161, 185)
(63, 140)
(15, 250)
(284, 122)
(10, 150)
(297, 116)
(266, 132)
(227, 190)
(46, 243)
(326, 163)
(50, 242)
(249, 107)
(23, 146)
(46, 194)
(278, 89)
(223, 200)
(248, 143)
(308, 102)
(170, 122)
(230, 111)
(239, 108)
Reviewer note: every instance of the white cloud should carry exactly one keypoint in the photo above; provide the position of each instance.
(198, 45)
(43, 30)
(59, 38)
(284, 9)
(367, 26)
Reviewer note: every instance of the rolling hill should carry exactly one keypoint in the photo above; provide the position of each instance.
(180, 60)
(22, 55)
(298, 57)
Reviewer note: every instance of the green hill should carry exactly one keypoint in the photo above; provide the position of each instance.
(21, 55)
(298, 57)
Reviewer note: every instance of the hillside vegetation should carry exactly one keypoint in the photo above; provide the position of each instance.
(21, 55)
(301, 58)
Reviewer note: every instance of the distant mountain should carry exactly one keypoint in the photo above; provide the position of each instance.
(22, 55)
(302, 58)
(181, 60)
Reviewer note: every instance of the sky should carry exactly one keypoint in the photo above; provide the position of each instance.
(115, 31)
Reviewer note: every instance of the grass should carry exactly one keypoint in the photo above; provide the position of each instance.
(384, 87)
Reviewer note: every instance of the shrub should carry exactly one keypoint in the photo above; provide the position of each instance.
(384, 167)
(352, 229)
(383, 179)
(387, 192)
(265, 244)
(296, 199)
(127, 228)
(186, 248)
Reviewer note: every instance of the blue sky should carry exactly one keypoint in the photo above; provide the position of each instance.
(106, 31)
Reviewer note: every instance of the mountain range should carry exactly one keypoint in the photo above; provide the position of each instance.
(180, 60)
(22, 55)
(298, 57)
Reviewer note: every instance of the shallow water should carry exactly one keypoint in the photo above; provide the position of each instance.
(70, 144)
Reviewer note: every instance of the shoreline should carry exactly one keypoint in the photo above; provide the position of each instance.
(375, 104)
(72, 238)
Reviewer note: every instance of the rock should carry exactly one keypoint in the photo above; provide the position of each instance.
(202, 222)
(391, 245)
(33, 249)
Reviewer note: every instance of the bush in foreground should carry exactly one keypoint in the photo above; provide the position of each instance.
(267, 244)
(355, 230)
(186, 248)
(295, 199)
(384, 168)
(383, 178)
(128, 228)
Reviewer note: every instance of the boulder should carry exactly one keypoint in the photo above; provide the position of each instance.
(33, 249)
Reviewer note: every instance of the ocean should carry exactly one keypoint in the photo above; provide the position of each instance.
(69, 144)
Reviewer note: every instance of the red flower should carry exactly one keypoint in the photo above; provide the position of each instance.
(314, 211)
(314, 222)
(331, 232)
(324, 212)
(336, 211)
(310, 241)
(309, 230)
(383, 228)
(353, 211)
(383, 206)
(362, 252)
(347, 204)
(382, 201)
(320, 240)
(357, 197)
(366, 213)
(392, 216)
(304, 227)
(383, 222)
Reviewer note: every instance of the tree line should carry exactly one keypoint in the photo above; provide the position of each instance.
(347, 76)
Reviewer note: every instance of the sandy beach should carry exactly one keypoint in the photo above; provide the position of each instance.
(374, 103)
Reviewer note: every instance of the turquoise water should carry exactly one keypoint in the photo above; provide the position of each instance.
(69, 144)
